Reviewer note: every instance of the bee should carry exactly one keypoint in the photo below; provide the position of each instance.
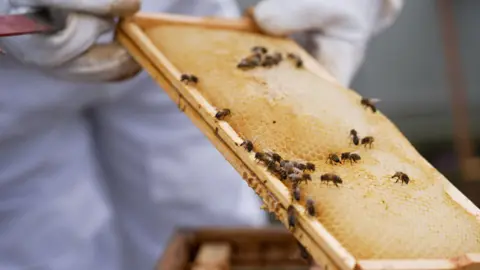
(304, 253)
(292, 219)
(296, 192)
(269, 61)
(294, 170)
(248, 145)
(354, 135)
(259, 50)
(278, 57)
(262, 157)
(300, 165)
(333, 158)
(220, 115)
(286, 164)
(330, 177)
(367, 141)
(370, 103)
(281, 174)
(276, 170)
(296, 59)
(276, 157)
(189, 78)
(306, 177)
(310, 206)
(310, 166)
(352, 157)
(272, 60)
(295, 177)
(250, 62)
(401, 177)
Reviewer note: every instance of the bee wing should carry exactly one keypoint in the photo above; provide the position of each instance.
(374, 100)
(269, 152)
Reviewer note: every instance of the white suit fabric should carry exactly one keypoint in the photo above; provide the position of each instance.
(97, 176)
(335, 32)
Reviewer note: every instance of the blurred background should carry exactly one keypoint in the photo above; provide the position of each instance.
(421, 68)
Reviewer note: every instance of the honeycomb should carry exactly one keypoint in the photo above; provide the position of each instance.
(301, 115)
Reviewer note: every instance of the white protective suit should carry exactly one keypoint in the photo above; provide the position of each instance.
(98, 175)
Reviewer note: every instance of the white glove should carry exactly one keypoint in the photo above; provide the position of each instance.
(73, 53)
(339, 30)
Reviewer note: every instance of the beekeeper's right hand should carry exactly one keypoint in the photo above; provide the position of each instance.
(337, 30)
(73, 53)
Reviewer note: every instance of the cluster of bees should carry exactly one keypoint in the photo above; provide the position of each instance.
(189, 79)
(369, 103)
(259, 57)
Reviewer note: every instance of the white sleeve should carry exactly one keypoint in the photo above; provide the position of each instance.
(388, 15)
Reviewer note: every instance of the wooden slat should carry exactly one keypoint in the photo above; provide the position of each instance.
(177, 253)
(213, 256)
(145, 20)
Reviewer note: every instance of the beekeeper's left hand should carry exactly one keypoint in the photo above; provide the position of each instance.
(339, 30)
(73, 53)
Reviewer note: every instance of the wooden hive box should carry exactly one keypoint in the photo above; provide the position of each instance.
(221, 248)
(369, 221)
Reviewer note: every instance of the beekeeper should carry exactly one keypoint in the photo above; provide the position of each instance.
(96, 170)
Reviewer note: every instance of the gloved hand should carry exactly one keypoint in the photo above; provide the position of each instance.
(337, 31)
(73, 53)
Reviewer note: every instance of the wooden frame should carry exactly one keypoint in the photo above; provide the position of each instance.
(184, 247)
(323, 247)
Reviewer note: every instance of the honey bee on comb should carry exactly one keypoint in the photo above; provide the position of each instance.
(300, 165)
(370, 103)
(250, 62)
(276, 157)
(294, 170)
(269, 61)
(277, 57)
(354, 135)
(220, 115)
(403, 177)
(292, 219)
(333, 159)
(248, 145)
(304, 253)
(259, 50)
(275, 169)
(295, 177)
(330, 177)
(310, 207)
(367, 141)
(296, 59)
(287, 164)
(262, 157)
(352, 157)
(189, 78)
(310, 166)
(306, 177)
(281, 174)
(296, 192)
